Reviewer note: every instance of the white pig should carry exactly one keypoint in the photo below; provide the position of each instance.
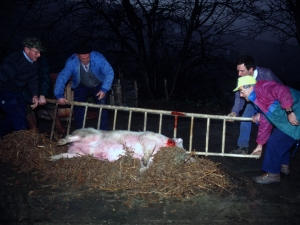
(110, 145)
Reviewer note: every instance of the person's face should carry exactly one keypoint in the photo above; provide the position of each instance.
(242, 70)
(245, 92)
(32, 53)
(84, 58)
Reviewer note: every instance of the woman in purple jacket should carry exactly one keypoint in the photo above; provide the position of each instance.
(278, 108)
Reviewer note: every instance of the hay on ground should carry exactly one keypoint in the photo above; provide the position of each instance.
(171, 175)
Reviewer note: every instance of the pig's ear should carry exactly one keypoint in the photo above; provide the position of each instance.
(178, 140)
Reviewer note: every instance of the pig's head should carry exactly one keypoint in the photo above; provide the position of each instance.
(174, 142)
(178, 142)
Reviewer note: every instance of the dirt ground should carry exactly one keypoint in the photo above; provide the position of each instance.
(26, 201)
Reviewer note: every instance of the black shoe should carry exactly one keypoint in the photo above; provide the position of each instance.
(240, 150)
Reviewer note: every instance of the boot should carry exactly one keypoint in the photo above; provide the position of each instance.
(267, 178)
(31, 120)
(58, 126)
(240, 150)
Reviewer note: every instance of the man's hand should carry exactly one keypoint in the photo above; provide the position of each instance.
(256, 118)
(232, 114)
(35, 102)
(42, 100)
(257, 150)
(101, 95)
(62, 101)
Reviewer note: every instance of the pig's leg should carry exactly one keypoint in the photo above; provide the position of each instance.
(149, 147)
(68, 139)
(63, 155)
(150, 144)
(86, 140)
(147, 156)
(143, 168)
(75, 149)
(86, 134)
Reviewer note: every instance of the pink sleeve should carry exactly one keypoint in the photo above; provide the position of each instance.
(264, 130)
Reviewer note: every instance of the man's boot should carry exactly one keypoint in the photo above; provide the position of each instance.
(31, 120)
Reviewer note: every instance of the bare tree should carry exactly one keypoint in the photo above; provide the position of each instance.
(281, 17)
(180, 34)
(205, 24)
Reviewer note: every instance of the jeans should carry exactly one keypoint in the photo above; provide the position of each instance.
(245, 127)
(14, 106)
(277, 151)
(80, 95)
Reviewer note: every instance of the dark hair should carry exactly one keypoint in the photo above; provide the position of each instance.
(247, 60)
(83, 49)
(33, 42)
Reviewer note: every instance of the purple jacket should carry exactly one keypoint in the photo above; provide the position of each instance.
(271, 99)
(262, 74)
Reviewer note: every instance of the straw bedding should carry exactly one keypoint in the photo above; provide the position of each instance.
(173, 174)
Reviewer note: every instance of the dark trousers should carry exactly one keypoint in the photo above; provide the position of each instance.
(277, 151)
(14, 106)
(80, 95)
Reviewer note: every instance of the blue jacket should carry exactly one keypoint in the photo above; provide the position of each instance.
(262, 74)
(99, 66)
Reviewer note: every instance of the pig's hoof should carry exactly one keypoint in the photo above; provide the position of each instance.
(145, 161)
(143, 170)
(61, 142)
(54, 158)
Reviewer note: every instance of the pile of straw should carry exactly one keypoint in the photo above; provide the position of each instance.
(173, 174)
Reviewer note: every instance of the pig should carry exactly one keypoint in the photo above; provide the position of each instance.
(110, 145)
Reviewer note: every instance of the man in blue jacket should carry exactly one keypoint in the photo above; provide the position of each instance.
(246, 66)
(91, 74)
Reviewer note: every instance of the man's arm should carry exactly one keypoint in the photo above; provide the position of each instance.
(62, 79)
(33, 83)
(238, 103)
(107, 71)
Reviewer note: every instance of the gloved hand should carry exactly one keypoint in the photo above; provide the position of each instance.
(232, 114)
